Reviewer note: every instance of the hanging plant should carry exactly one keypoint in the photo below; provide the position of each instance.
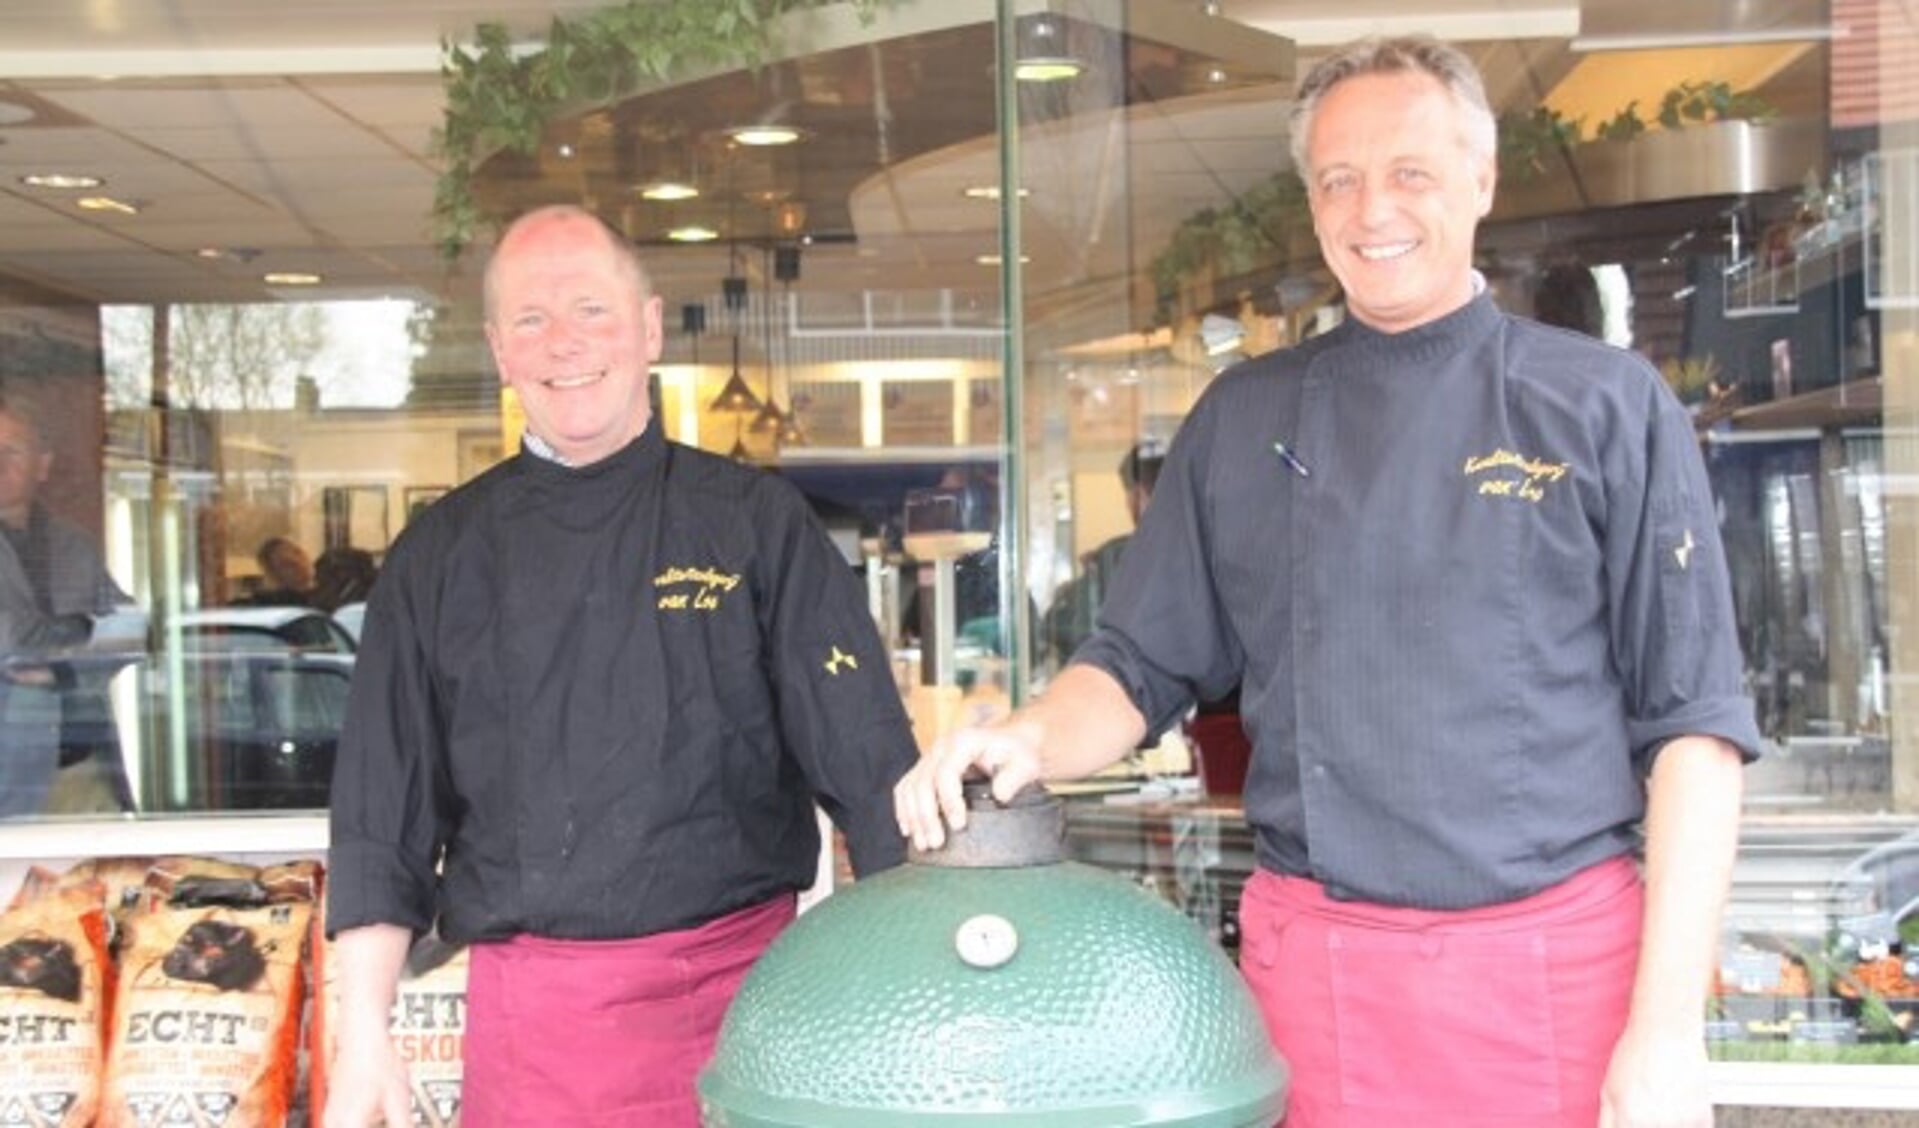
(1233, 239)
(1699, 102)
(1622, 126)
(501, 95)
(1529, 141)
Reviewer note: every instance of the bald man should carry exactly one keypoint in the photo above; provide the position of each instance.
(599, 691)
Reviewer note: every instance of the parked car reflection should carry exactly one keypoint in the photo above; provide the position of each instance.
(256, 697)
(352, 618)
(270, 629)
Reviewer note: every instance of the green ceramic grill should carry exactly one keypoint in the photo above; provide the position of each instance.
(994, 983)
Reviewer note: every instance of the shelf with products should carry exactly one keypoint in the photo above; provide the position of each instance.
(1770, 278)
(1840, 228)
(1805, 888)
(60, 842)
(1803, 884)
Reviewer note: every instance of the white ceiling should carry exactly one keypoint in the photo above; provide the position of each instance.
(296, 135)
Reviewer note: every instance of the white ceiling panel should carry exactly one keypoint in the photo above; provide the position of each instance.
(323, 207)
(213, 25)
(414, 140)
(139, 104)
(412, 224)
(185, 237)
(220, 205)
(313, 176)
(384, 102)
(19, 209)
(41, 237)
(203, 144)
(102, 258)
(71, 147)
(302, 128)
(411, 256)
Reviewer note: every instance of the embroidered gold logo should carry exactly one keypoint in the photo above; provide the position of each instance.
(693, 589)
(841, 658)
(1505, 473)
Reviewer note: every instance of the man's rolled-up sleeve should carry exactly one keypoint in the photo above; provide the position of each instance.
(1675, 641)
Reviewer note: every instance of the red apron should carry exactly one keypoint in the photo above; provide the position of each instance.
(597, 1032)
(1504, 1016)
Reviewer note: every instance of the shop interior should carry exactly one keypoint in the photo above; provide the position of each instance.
(952, 267)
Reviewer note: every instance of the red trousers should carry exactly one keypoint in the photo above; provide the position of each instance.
(1503, 1017)
(604, 1033)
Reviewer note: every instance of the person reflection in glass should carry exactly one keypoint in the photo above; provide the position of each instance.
(54, 723)
(286, 575)
(1069, 621)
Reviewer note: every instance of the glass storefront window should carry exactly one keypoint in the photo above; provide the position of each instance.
(966, 311)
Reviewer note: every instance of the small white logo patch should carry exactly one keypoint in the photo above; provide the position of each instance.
(1683, 553)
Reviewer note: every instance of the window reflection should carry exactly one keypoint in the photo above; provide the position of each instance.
(191, 495)
(204, 429)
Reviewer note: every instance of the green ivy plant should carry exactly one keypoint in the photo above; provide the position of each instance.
(1622, 126)
(1529, 141)
(1698, 102)
(1232, 239)
(501, 95)
(1238, 236)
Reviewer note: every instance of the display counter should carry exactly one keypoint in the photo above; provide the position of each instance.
(58, 843)
(1794, 885)
(1781, 1042)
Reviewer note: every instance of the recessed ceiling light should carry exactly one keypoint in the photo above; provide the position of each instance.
(1042, 53)
(989, 192)
(290, 278)
(236, 254)
(566, 151)
(60, 180)
(1216, 75)
(1047, 69)
(668, 190)
(108, 203)
(761, 135)
(692, 233)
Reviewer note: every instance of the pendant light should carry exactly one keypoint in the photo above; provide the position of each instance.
(786, 268)
(735, 396)
(770, 418)
(791, 433)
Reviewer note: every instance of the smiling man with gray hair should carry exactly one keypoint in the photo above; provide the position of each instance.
(1466, 571)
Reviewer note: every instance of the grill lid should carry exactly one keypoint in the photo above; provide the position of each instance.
(1007, 993)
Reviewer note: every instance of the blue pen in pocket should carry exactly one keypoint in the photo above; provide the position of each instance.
(1291, 460)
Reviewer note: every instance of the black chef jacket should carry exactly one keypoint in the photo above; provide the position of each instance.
(601, 701)
(1470, 580)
